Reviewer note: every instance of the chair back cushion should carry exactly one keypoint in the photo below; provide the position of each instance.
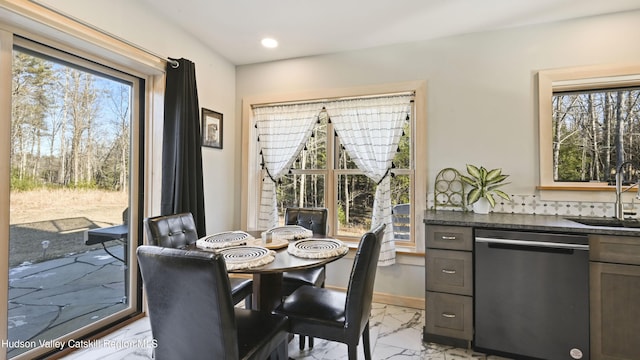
(314, 219)
(172, 231)
(189, 303)
(362, 279)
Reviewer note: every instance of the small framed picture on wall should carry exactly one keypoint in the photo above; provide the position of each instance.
(211, 128)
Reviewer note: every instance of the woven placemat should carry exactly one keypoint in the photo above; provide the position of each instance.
(288, 232)
(223, 240)
(317, 248)
(244, 257)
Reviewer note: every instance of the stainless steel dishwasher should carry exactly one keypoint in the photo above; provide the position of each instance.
(531, 294)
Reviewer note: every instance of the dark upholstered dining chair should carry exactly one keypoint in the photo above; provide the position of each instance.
(179, 230)
(314, 219)
(337, 315)
(192, 314)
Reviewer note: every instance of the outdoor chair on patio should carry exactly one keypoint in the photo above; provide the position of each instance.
(338, 315)
(192, 314)
(314, 219)
(401, 215)
(179, 230)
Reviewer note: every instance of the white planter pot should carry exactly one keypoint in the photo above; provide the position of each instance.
(481, 206)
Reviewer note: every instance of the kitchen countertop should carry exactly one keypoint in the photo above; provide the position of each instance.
(549, 223)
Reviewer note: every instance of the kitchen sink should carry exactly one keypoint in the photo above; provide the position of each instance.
(606, 221)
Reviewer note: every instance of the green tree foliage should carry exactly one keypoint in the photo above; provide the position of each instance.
(32, 86)
(400, 184)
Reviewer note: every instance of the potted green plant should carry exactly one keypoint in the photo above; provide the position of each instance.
(484, 185)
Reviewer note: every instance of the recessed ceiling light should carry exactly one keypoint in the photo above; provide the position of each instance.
(269, 43)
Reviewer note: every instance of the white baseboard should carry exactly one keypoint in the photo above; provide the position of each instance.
(404, 301)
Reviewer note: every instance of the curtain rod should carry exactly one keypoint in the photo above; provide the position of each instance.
(316, 101)
(173, 62)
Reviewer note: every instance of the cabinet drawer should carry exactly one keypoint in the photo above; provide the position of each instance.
(449, 237)
(449, 271)
(449, 315)
(614, 249)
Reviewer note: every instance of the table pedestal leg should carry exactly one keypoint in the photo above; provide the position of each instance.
(267, 291)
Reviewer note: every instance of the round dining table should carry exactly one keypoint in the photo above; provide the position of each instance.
(267, 279)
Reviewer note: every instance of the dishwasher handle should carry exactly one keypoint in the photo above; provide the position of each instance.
(527, 243)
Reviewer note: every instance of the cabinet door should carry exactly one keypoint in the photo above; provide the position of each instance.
(615, 311)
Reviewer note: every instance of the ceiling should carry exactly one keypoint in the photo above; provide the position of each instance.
(234, 28)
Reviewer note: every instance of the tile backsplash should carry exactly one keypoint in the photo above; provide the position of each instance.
(531, 204)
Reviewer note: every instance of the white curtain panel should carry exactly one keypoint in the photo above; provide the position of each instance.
(282, 131)
(370, 130)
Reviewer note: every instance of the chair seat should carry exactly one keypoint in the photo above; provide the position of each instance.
(292, 280)
(259, 333)
(315, 305)
(240, 288)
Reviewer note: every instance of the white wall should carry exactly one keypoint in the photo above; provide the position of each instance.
(481, 96)
(480, 87)
(216, 89)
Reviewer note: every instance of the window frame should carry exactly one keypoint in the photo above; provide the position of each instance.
(573, 79)
(251, 179)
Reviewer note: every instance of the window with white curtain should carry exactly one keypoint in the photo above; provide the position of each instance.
(356, 161)
(304, 185)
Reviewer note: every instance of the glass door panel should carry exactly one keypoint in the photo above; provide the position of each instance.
(69, 199)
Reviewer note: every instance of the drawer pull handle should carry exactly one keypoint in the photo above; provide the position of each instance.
(447, 271)
(448, 237)
(448, 315)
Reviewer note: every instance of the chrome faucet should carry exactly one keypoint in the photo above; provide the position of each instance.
(619, 211)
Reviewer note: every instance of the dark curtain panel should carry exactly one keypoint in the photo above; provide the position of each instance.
(182, 185)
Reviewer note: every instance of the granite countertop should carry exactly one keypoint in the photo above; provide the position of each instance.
(549, 223)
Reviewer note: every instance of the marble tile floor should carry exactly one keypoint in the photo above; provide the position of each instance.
(396, 333)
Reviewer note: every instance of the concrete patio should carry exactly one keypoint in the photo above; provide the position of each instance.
(51, 298)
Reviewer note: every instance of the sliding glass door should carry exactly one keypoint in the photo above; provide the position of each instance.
(74, 164)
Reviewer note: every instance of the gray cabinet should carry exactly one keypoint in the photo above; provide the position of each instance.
(614, 272)
(449, 284)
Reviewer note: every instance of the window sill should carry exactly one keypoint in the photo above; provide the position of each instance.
(404, 255)
(581, 187)
(404, 250)
(409, 251)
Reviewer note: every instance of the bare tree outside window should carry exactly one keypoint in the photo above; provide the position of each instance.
(593, 132)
